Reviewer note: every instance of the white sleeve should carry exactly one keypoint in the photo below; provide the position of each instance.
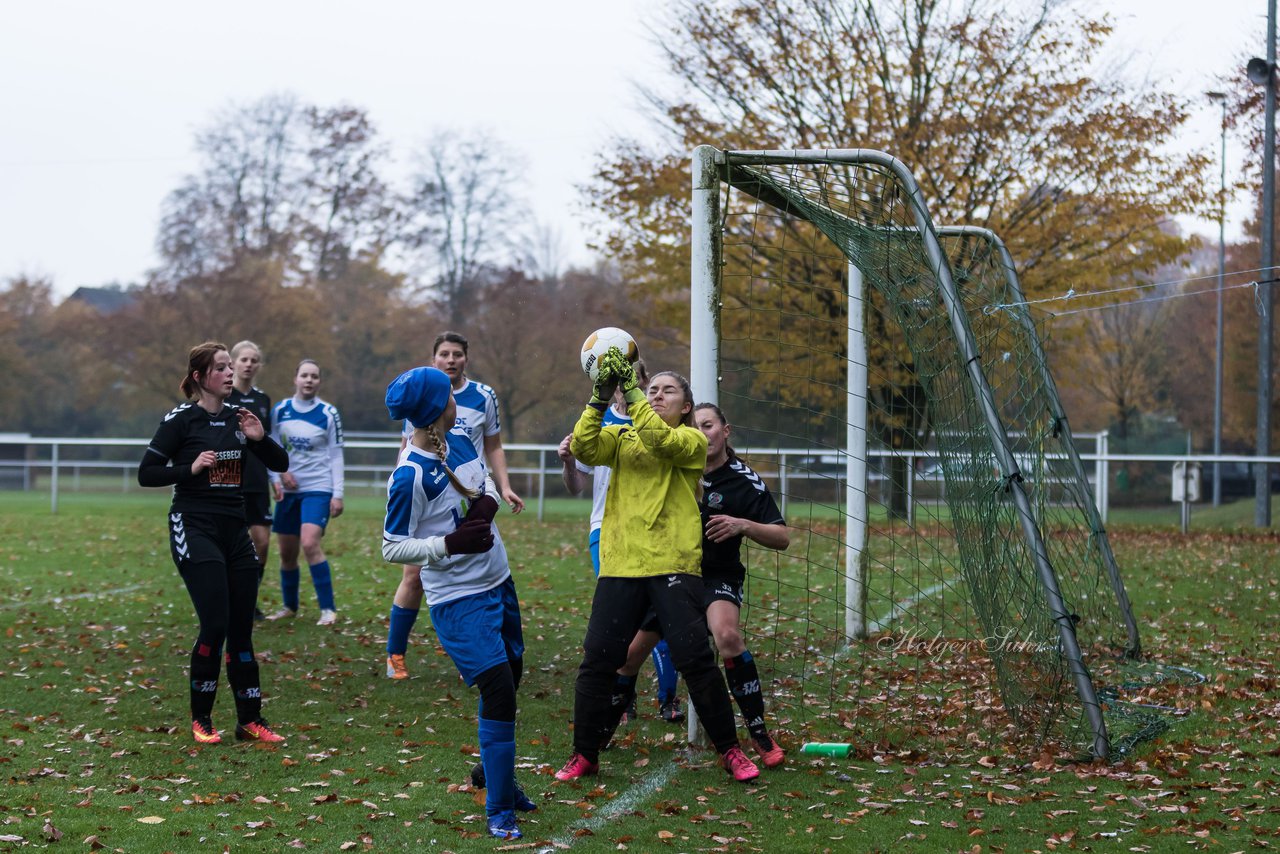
(428, 552)
(492, 422)
(274, 476)
(337, 466)
(336, 461)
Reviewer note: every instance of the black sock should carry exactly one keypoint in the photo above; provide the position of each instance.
(744, 684)
(205, 668)
(621, 699)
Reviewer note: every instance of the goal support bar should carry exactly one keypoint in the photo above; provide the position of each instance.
(710, 166)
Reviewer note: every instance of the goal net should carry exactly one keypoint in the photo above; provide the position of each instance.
(949, 585)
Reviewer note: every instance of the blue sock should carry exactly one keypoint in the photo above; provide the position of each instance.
(402, 620)
(289, 587)
(667, 675)
(323, 582)
(498, 755)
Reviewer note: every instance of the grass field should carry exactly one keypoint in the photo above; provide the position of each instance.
(96, 751)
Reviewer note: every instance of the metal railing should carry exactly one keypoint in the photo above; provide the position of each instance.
(370, 461)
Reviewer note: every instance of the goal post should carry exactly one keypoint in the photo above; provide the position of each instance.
(1015, 305)
(868, 205)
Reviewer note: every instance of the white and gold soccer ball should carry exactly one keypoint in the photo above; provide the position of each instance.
(599, 342)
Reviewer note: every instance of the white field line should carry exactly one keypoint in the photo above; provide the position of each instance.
(621, 805)
(58, 600)
(903, 607)
(899, 608)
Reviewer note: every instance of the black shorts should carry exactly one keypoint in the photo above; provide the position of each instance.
(197, 539)
(257, 508)
(651, 622)
(721, 590)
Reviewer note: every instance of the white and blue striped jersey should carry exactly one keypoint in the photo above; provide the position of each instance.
(477, 414)
(311, 431)
(600, 474)
(422, 503)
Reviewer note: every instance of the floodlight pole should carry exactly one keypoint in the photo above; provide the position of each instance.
(1262, 471)
(1222, 267)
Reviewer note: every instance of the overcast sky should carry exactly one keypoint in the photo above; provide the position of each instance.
(101, 100)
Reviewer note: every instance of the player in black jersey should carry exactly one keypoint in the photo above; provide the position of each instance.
(735, 503)
(246, 360)
(200, 450)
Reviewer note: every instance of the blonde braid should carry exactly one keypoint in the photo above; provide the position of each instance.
(442, 451)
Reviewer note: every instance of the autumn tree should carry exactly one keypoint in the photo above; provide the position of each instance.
(348, 211)
(56, 371)
(995, 109)
(285, 181)
(525, 334)
(245, 198)
(465, 215)
(1123, 359)
(371, 333)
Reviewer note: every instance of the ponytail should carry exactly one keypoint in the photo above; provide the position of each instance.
(442, 451)
(199, 360)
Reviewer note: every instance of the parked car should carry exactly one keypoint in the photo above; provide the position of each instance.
(1237, 480)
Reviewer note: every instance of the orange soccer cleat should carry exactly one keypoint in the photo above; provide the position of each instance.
(204, 733)
(258, 730)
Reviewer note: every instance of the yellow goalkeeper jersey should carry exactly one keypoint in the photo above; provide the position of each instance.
(651, 521)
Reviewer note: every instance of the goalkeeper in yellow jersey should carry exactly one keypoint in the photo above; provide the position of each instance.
(650, 556)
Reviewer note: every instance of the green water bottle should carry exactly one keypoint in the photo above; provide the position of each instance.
(819, 748)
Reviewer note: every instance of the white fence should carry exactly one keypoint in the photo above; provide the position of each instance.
(24, 459)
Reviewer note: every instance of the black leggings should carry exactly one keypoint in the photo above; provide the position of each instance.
(217, 562)
(617, 610)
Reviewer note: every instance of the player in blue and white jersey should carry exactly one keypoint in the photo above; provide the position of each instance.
(575, 474)
(200, 449)
(477, 418)
(310, 492)
(440, 509)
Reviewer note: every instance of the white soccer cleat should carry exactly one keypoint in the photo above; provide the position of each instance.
(328, 617)
(283, 614)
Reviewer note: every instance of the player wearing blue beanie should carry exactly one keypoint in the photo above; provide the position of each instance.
(440, 508)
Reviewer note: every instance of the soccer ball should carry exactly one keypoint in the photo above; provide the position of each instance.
(599, 342)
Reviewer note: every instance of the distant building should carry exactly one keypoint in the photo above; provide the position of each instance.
(104, 300)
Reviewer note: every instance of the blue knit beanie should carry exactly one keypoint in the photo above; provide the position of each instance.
(419, 395)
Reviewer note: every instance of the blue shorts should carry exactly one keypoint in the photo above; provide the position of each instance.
(300, 508)
(594, 545)
(480, 631)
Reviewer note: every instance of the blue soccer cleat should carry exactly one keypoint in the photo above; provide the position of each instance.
(502, 825)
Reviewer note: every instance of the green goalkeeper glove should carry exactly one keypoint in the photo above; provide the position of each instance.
(606, 382)
(624, 374)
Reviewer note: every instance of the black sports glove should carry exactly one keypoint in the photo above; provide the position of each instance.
(485, 507)
(473, 536)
